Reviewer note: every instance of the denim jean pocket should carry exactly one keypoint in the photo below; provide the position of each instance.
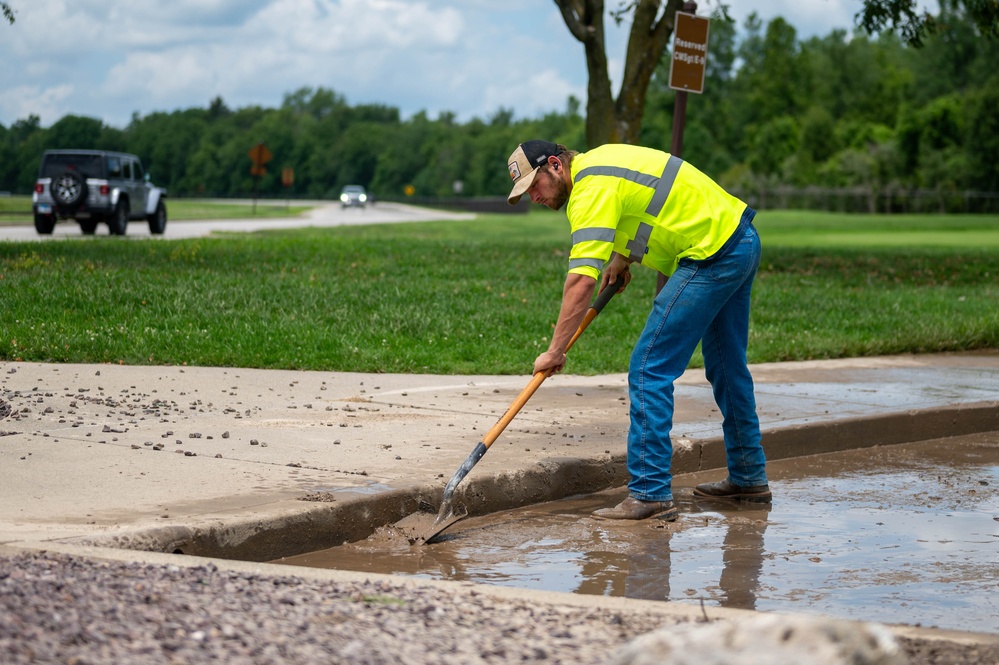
(738, 264)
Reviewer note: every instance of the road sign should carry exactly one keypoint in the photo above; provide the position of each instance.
(287, 176)
(690, 51)
(259, 154)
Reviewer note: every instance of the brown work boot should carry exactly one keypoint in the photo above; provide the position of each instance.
(635, 509)
(724, 489)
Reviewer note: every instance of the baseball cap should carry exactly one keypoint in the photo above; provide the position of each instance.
(524, 164)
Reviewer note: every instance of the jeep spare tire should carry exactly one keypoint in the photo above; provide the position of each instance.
(69, 189)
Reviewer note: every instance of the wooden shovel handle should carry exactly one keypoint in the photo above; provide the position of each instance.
(598, 304)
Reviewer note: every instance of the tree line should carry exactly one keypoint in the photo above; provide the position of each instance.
(843, 110)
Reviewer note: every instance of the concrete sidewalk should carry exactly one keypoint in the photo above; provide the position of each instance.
(218, 461)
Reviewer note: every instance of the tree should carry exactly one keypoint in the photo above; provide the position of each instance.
(610, 120)
(983, 133)
(8, 13)
(902, 16)
(773, 143)
(619, 120)
(74, 131)
(774, 86)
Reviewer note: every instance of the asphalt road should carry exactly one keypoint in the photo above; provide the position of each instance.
(323, 215)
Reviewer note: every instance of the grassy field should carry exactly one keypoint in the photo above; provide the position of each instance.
(16, 210)
(479, 297)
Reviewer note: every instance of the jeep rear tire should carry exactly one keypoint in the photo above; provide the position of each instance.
(44, 224)
(118, 223)
(157, 220)
(69, 189)
(88, 226)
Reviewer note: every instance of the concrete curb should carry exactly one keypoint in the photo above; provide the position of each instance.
(294, 528)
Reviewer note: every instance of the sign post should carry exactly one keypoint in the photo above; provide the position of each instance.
(288, 179)
(259, 155)
(686, 72)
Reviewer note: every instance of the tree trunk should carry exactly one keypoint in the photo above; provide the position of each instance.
(609, 120)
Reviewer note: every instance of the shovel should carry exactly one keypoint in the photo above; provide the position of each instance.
(421, 527)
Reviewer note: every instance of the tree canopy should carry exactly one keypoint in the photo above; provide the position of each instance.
(842, 110)
(619, 120)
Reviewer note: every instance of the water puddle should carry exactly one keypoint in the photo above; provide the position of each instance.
(900, 534)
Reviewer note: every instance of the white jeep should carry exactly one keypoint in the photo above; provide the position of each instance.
(93, 186)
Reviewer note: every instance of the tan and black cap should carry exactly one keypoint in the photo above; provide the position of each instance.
(524, 164)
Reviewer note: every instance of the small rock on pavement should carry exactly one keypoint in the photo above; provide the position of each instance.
(765, 640)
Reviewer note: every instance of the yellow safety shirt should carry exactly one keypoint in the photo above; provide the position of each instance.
(647, 205)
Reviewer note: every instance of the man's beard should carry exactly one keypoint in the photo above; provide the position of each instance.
(561, 194)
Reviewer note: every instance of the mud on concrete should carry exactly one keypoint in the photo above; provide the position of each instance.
(905, 534)
(302, 415)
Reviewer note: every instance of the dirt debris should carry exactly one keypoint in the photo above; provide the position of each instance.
(60, 608)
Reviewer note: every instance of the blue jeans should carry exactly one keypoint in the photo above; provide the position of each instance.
(707, 302)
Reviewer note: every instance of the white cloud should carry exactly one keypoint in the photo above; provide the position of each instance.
(161, 76)
(529, 96)
(809, 17)
(108, 59)
(26, 100)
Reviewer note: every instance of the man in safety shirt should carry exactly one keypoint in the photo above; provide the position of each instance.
(628, 204)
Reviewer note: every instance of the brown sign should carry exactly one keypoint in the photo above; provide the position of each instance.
(690, 52)
(259, 154)
(287, 176)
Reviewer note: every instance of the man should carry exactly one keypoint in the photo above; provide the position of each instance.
(628, 204)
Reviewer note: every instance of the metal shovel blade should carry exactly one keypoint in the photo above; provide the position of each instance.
(422, 527)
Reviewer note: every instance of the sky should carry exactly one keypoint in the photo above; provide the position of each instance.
(109, 59)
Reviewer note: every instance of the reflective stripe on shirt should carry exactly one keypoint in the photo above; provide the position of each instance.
(592, 263)
(664, 185)
(593, 233)
(640, 245)
(661, 186)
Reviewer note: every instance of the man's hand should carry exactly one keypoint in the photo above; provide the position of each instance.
(618, 265)
(576, 296)
(550, 359)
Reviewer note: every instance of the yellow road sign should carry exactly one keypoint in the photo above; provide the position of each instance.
(259, 154)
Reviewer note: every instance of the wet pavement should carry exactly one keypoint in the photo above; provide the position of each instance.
(905, 534)
(272, 463)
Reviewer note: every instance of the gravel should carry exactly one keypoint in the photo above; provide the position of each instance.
(69, 609)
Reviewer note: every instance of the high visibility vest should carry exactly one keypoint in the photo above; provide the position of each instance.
(652, 207)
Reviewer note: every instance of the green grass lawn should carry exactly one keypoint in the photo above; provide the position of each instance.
(820, 230)
(480, 296)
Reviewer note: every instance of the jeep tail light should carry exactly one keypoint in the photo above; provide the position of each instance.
(39, 188)
(105, 190)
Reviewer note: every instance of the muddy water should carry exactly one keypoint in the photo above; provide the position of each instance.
(900, 534)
